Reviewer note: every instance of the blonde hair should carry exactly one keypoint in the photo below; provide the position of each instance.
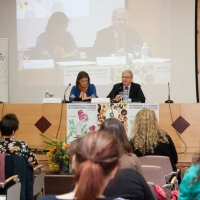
(146, 132)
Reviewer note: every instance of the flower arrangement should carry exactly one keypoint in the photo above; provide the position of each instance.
(58, 158)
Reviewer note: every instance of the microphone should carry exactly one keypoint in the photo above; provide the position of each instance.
(169, 100)
(64, 100)
(112, 100)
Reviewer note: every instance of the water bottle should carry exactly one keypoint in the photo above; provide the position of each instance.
(20, 58)
(47, 94)
(125, 96)
(144, 52)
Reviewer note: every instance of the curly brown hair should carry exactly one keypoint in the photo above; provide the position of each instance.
(146, 133)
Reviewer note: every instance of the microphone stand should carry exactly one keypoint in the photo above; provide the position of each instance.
(169, 100)
(113, 99)
(64, 100)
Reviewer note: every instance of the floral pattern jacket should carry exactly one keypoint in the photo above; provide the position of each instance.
(19, 148)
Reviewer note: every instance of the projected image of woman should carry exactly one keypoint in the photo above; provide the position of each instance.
(83, 90)
(57, 43)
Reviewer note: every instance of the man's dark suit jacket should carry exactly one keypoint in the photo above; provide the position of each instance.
(105, 43)
(135, 93)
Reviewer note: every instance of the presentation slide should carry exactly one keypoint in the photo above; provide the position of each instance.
(154, 39)
(83, 28)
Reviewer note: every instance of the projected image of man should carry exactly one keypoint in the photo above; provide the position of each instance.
(118, 39)
(134, 90)
(57, 43)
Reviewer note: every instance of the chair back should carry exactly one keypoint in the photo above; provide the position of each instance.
(38, 185)
(20, 166)
(13, 192)
(152, 188)
(162, 161)
(154, 174)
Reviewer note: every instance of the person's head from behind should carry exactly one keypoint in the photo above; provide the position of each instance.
(83, 79)
(9, 124)
(115, 127)
(146, 132)
(57, 25)
(127, 77)
(95, 161)
(120, 19)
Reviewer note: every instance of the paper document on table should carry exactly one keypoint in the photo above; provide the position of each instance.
(76, 63)
(152, 60)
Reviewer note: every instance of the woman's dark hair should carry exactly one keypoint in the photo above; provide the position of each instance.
(115, 127)
(81, 75)
(96, 156)
(55, 20)
(8, 124)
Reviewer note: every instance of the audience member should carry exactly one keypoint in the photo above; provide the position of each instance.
(128, 160)
(9, 124)
(190, 184)
(55, 43)
(95, 161)
(83, 90)
(134, 89)
(149, 139)
(118, 38)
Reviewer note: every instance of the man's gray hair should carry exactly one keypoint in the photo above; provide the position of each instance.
(120, 11)
(127, 72)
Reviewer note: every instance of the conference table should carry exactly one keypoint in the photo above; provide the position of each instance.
(106, 71)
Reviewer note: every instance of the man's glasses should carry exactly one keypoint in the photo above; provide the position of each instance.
(126, 77)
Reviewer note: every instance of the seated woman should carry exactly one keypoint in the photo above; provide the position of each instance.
(95, 161)
(190, 184)
(9, 124)
(149, 139)
(128, 160)
(83, 90)
(57, 43)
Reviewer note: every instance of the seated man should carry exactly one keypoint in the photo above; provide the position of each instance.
(134, 89)
(118, 39)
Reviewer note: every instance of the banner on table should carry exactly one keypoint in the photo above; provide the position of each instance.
(81, 118)
(124, 112)
(4, 69)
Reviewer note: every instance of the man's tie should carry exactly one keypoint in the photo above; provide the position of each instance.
(126, 88)
(120, 41)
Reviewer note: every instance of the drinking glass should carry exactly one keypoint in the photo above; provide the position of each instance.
(121, 95)
(26, 53)
(136, 50)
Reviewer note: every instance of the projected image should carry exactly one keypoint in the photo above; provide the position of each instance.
(61, 37)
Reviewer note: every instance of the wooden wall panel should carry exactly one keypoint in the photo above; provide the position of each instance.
(29, 114)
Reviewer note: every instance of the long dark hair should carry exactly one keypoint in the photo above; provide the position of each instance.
(81, 75)
(55, 20)
(96, 156)
(115, 127)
